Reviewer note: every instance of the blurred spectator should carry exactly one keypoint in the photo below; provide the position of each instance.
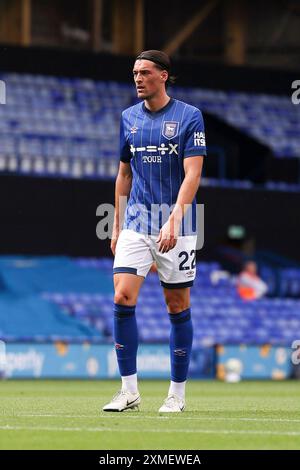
(249, 285)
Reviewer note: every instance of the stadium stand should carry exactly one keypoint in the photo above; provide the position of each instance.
(69, 127)
(77, 305)
(26, 316)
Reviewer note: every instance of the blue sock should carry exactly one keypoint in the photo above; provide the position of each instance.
(181, 340)
(126, 338)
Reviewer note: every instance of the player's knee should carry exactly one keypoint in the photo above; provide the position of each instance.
(123, 298)
(175, 305)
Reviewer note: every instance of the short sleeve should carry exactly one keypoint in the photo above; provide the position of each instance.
(125, 154)
(194, 143)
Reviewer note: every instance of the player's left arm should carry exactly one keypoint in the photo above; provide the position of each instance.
(169, 232)
(194, 148)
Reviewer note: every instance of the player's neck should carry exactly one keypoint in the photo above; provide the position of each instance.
(156, 103)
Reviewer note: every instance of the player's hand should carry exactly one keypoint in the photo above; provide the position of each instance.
(168, 235)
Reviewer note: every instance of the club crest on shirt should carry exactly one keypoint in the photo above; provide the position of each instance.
(170, 129)
(133, 130)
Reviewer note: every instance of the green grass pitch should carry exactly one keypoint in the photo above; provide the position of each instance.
(67, 415)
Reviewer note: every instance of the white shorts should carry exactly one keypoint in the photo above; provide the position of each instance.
(136, 252)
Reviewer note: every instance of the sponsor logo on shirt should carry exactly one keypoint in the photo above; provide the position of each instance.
(163, 149)
(199, 139)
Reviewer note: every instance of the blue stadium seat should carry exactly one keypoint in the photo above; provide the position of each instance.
(42, 107)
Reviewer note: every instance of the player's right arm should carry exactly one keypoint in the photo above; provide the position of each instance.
(123, 187)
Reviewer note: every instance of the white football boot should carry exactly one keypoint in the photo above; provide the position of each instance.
(123, 400)
(172, 404)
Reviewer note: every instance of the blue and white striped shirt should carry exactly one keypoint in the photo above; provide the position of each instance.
(155, 144)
